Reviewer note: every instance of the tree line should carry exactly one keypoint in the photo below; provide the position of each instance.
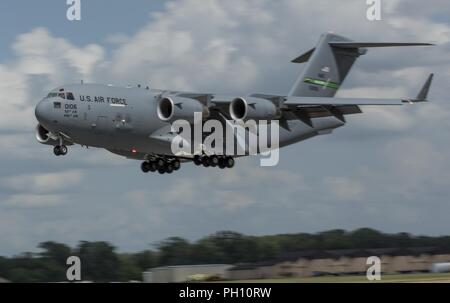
(102, 262)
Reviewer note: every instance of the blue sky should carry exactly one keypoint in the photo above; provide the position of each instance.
(387, 168)
(99, 19)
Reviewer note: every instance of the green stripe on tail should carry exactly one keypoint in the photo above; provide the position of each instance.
(323, 83)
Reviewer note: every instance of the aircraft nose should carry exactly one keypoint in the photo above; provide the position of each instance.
(41, 110)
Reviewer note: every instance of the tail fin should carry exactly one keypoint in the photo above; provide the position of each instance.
(329, 63)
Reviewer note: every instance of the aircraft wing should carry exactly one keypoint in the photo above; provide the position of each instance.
(204, 98)
(309, 107)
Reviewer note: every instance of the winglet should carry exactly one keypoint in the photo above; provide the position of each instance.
(422, 96)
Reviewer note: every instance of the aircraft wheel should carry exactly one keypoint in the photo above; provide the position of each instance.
(169, 168)
(57, 151)
(63, 150)
(222, 163)
(160, 162)
(176, 164)
(197, 160)
(145, 166)
(205, 161)
(152, 166)
(161, 170)
(229, 162)
(214, 161)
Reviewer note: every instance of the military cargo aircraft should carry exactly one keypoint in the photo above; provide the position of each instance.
(135, 122)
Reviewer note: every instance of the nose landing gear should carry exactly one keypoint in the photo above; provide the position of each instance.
(60, 150)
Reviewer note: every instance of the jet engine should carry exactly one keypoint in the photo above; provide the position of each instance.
(179, 108)
(253, 108)
(44, 136)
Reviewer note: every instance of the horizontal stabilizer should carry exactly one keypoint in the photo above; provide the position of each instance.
(352, 44)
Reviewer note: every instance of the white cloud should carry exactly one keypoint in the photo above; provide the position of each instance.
(403, 170)
(234, 201)
(227, 190)
(41, 53)
(42, 62)
(343, 188)
(17, 113)
(17, 146)
(44, 182)
(183, 192)
(392, 119)
(174, 52)
(417, 164)
(435, 32)
(33, 200)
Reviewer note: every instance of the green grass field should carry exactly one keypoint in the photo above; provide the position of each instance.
(417, 278)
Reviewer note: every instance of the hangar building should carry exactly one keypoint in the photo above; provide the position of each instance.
(184, 273)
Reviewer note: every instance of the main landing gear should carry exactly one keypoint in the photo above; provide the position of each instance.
(161, 165)
(165, 165)
(214, 161)
(60, 150)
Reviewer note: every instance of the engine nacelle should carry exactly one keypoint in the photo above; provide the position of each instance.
(253, 108)
(179, 108)
(44, 136)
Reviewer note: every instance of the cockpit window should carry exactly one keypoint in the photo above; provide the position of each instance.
(61, 94)
(70, 96)
(57, 105)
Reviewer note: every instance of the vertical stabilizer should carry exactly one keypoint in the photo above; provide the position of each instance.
(329, 63)
(326, 67)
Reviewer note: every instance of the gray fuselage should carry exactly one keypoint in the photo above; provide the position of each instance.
(125, 121)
